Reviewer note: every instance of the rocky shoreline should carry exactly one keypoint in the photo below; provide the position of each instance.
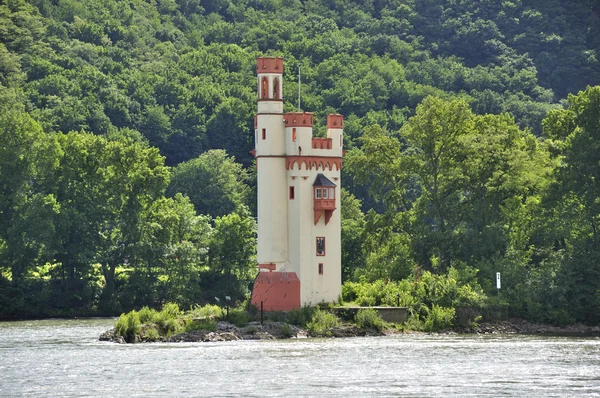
(226, 331)
(520, 326)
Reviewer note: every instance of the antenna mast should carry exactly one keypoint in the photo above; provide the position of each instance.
(298, 89)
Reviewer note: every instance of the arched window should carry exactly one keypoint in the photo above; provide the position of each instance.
(276, 89)
(265, 88)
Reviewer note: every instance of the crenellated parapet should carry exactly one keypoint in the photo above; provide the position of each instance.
(335, 121)
(298, 119)
(322, 143)
(269, 65)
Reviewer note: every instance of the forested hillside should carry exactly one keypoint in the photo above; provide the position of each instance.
(125, 129)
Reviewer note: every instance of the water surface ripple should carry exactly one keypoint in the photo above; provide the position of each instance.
(63, 358)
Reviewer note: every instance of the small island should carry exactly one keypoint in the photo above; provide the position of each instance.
(211, 323)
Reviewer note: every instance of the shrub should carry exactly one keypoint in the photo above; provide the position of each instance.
(276, 316)
(128, 325)
(322, 321)
(203, 324)
(207, 311)
(439, 318)
(349, 291)
(146, 315)
(369, 318)
(299, 316)
(239, 317)
(286, 331)
(151, 334)
(170, 310)
(171, 326)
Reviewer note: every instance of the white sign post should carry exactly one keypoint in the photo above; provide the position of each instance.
(498, 280)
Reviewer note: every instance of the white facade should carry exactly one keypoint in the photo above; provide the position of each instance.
(294, 215)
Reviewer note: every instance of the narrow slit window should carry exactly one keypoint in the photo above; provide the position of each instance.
(264, 134)
(320, 268)
(294, 134)
(276, 88)
(320, 246)
(292, 193)
(265, 88)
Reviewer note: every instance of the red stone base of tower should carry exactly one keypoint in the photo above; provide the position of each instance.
(278, 291)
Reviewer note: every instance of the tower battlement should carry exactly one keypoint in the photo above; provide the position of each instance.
(269, 65)
(298, 119)
(335, 121)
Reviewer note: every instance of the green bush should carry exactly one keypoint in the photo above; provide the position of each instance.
(350, 291)
(207, 311)
(439, 318)
(299, 316)
(151, 334)
(286, 331)
(204, 324)
(147, 315)
(128, 325)
(369, 318)
(239, 317)
(276, 316)
(321, 322)
(170, 311)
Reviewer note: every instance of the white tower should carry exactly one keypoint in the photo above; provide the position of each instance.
(298, 176)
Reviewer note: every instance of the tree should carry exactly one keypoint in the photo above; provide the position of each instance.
(232, 255)
(27, 160)
(574, 133)
(214, 183)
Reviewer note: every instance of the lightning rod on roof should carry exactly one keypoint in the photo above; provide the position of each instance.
(298, 89)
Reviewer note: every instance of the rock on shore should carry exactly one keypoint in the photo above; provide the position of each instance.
(520, 326)
(225, 331)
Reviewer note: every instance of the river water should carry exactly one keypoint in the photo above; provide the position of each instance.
(63, 358)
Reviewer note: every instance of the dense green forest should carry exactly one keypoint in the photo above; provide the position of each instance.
(473, 129)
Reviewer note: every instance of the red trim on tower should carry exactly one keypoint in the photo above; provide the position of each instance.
(319, 162)
(269, 65)
(298, 119)
(278, 291)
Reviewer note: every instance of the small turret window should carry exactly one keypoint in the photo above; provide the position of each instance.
(318, 193)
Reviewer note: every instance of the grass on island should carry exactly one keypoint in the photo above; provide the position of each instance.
(150, 325)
